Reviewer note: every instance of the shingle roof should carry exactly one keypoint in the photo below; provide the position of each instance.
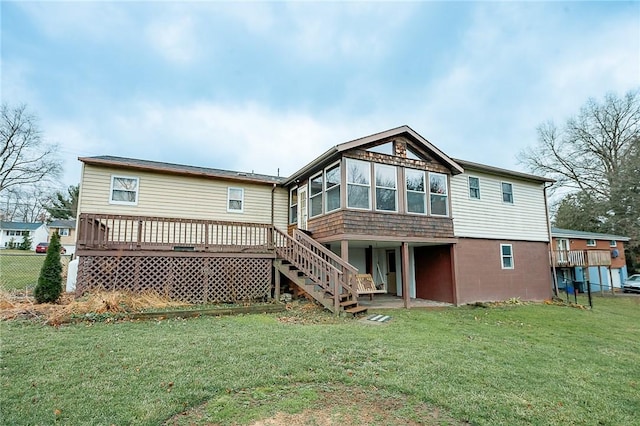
(499, 171)
(570, 233)
(63, 223)
(20, 226)
(179, 169)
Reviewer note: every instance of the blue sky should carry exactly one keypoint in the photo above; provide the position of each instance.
(262, 86)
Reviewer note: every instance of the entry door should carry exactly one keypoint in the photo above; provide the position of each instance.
(391, 272)
(302, 208)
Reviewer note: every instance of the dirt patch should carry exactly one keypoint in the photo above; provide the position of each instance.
(334, 405)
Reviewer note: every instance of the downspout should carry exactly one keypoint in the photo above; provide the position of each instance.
(273, 218)
(553, 264)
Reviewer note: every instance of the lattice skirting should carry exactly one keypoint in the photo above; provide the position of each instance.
(191, 279)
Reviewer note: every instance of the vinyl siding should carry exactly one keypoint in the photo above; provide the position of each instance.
(173, 196)
(489, 217)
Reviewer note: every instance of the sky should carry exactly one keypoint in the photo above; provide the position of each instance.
(266, 87)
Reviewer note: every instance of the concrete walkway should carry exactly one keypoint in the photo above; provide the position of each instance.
(387, 301)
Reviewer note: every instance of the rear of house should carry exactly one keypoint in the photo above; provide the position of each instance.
(391, 206)
(588, 258)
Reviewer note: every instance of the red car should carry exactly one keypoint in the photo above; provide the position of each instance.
(42, 248)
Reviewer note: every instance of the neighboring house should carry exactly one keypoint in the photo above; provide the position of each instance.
(14, 232)
(580, 257)
(391, 205)
(66, 228)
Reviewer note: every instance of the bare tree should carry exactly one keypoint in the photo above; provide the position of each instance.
(24, 158)
(589, 151)
(25, 203)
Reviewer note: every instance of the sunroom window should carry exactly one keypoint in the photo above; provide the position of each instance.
(332, 182)
(439, 202)
(358, 184)
(386, 187)
(293, 205)
(315, 195)
(416, 193)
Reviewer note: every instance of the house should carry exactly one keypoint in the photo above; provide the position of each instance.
(67, 230)
(588, 257)
(13, 233)
(390, 205)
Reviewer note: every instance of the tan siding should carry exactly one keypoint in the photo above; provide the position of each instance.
(181, 197)
(489, 217)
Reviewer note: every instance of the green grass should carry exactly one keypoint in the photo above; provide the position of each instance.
(19, 269)
(533, 364)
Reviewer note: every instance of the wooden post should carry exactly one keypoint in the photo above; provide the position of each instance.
(611, 280)
(336, 292)
(600, 278)
(276, 291)
(404, 254)
(344, 250)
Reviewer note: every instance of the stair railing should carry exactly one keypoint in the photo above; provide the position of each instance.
(348, 271)
(314, 266)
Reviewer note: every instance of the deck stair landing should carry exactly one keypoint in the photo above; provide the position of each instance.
(319, 272)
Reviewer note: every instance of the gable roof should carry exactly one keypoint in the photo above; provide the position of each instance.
(501, 172)
(65, 223)
(356, 143)
(20, 226)
(178, 169)
(582, 235)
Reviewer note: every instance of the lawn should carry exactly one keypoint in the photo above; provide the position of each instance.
(531, 364)
(20, 269)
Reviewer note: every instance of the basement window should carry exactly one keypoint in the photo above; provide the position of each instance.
(506, 251)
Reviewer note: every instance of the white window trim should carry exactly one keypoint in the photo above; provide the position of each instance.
(124, 203)
(613, 243)
(358, 184)
(513, 264)
(424, 192)
(63, 232)
(291, 191)
(233, 188)
(395, 175)
(469, 187)
(312, 196)
(502, 193)
(591, 242)
(339, 185)
(446, 194)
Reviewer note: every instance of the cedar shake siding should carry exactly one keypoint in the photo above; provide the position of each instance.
(353, 223)
(480, 277)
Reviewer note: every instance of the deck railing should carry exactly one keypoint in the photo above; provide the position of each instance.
(122, 232)
(573, 258)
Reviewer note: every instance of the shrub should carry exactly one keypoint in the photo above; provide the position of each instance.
(49, 285)
(26, 243)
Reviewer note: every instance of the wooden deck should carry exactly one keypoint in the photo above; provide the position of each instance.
(580, 258)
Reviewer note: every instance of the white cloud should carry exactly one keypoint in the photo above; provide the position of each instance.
(173, 38)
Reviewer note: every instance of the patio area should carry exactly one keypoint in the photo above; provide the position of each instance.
(388, 301)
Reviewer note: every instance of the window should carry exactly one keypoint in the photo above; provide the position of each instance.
(358, 184)
(332, 180)
(63, 232)
(124, 190)
(315, 195)
(591, 243)
(474, 188)
(416, 193)
(293, 205)
(506, 251)
(386, 148)
(386, 187)
(235, 200)
(412, 155)
(439, 203)
(507, 193)
(613, 243)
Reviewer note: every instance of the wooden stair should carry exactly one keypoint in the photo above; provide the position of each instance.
(324, 296)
